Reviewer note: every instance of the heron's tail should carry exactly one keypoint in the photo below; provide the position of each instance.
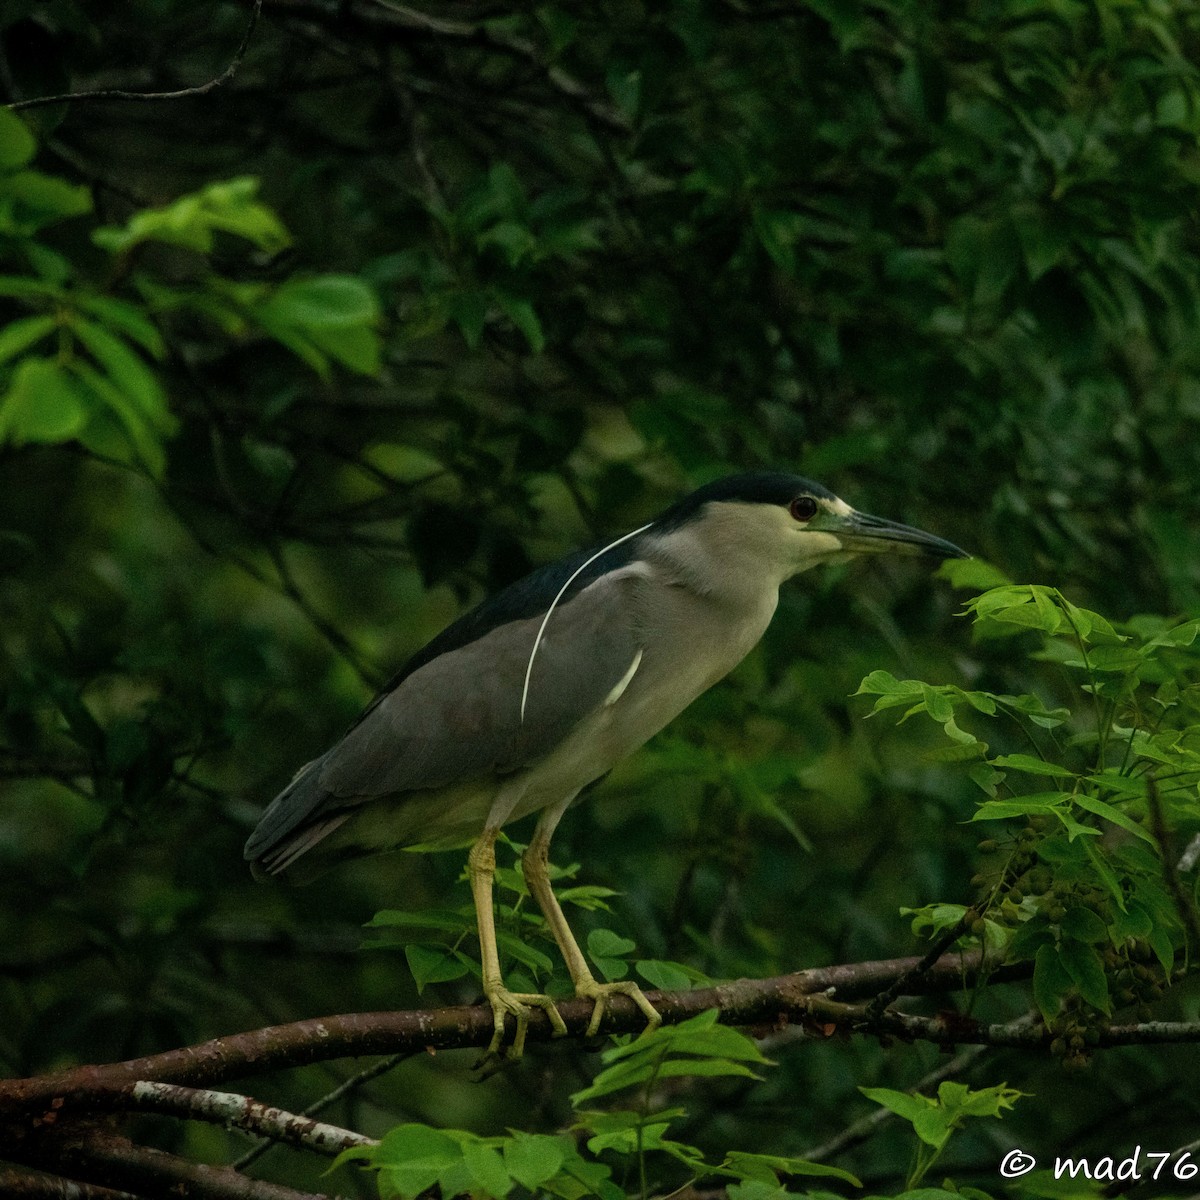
(293, 822)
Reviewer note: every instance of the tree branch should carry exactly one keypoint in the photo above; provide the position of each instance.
(822, 997)
(104, 1158)
(49, 1121)
(29, 1185)
(119, 94)
(344, 1088)
(399, 21)
(241, 1112)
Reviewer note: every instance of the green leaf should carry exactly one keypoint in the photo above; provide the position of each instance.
(356, 347)
(17, 144)
(972, 573)
(669, 976)
(127, 319)
(1178, 636)
(520, 951)
(146, 442)
(1084, 925)
(1038, 616)
(42, 404)
(937, 704)
(1083, 964)
(38, 199)
(1161, 943)
(757, 1189)
(932, 919)
(297, 341)
(533, 1158)
(1030, 765)
(487, 1169)
(468, 310)
(701, 1034)
(776, 234)
(986, 778)
(514, 241)
(18, 336)
(1107, 876)
(608, 952)
(1033, 708)
(1034, 804)
(1073, 827)
(589, 897)
(190, 222)
(25, 286)
(883, 683)
(704, 1068)
(326, 302)
(1051, 981)
(1135, 922)
(412, 1158)
(767, 1167)
(127, 372)
(427, 919)
(433, 964)
(698, 1046)
(932, 1126)
(903, 1104)
(521, 313)
(1110, 812)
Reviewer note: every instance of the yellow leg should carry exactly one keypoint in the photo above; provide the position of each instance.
(481, 870)
(535, 864)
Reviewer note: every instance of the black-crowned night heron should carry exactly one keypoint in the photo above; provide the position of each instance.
(523, 702)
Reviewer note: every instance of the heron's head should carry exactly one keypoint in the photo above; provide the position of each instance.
(785, 524)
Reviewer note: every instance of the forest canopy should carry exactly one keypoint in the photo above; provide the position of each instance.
(322, 320)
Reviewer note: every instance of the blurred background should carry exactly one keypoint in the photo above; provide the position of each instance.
(562, 264)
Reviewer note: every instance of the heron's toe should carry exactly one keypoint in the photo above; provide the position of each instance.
(600, 993)
(520, 1006)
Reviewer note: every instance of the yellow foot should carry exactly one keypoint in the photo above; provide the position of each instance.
(520, 1005)
(600, 992)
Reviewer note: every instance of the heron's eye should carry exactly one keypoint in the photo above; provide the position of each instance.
(803, 508)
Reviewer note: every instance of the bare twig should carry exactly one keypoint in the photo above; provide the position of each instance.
(103, 1158)
(119, 94)
(1183, 902)
(327, 629)
(865, 1128)
(932, 956)
(241, 1112)
(30, 1185)
(354, 1082)
(401, 21)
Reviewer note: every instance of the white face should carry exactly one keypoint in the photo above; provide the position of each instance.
(772, 542)
(777, 541)
(738, 546)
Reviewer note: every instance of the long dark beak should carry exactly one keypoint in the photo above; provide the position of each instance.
(868, 535)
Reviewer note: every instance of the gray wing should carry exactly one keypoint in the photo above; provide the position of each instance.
(458, 717)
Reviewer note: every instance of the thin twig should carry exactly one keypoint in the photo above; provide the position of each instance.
(327, 629)
(401, 21)
(119, 94)
(1183, 902)
(28, 1185)
(933, 955)
(108, 1159)
(241, 1112)
(865, 1127)
(349, 1085)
